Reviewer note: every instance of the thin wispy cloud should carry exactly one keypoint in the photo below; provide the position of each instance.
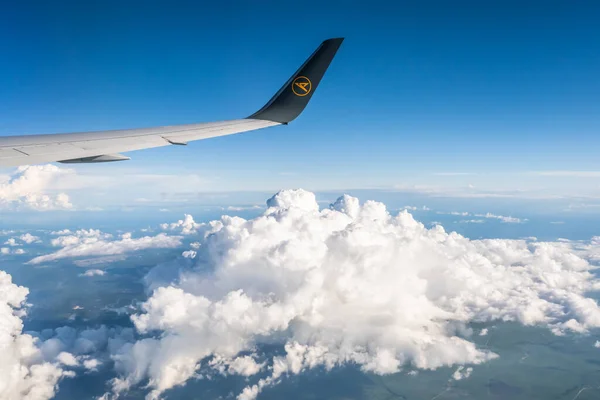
(568, 174)
(501, 218)
(454, 173)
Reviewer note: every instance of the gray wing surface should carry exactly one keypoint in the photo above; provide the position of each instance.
(106, 146)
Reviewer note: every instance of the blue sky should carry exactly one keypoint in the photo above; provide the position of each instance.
(462, 94)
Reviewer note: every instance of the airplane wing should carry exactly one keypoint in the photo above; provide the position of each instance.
(105, 146)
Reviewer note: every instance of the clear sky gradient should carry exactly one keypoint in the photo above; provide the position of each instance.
(419, 91)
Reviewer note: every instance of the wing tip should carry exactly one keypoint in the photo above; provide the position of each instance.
(287, 104)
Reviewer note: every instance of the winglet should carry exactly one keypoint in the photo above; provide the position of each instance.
(293, 97)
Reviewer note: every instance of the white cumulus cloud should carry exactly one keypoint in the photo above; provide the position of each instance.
(67, 238)
(29, 187)
(91, 364)
(24, 373)
(8, 250)
(29, 238)
(186, 226)
(26, 238)
(462, 373)
(93, 272)
(347, 284)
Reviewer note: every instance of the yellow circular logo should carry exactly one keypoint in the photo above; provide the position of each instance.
(301, 86)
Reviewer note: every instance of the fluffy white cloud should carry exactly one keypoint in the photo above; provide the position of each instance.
(502, 218)
(462, 373)
(95, 243)
(8, 250)
(92, 364)
(29, 186)
(29, 238)
(67, 359)
(348, 284)
(26, 238)
(93, 272)
(189, 254)
(244, 366)
(24, 373)
(67, 238)
(61, 232)
(186, 226)
(74, 347)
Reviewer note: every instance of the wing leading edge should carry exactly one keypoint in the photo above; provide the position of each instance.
(105, 146)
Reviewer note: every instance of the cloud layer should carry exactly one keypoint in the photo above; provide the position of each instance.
(347, 284)
(85, 243)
